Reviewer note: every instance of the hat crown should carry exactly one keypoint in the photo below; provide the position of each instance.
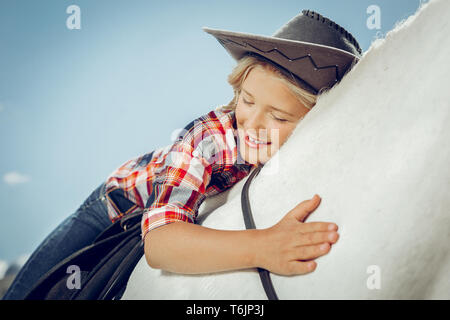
(310, 26)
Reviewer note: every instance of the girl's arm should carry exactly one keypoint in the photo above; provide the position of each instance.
(188, 248)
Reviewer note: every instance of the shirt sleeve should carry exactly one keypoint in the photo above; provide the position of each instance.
(126, 187)
(178, 188)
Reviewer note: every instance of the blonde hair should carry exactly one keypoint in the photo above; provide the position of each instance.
(246, 64)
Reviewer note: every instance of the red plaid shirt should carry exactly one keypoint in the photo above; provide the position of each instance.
(170, 183)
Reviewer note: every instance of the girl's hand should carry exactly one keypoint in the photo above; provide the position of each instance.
(289, 247)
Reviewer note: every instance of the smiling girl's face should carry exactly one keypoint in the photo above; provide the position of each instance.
(266, 111)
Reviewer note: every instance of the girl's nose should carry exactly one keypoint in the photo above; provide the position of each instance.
(255, 121)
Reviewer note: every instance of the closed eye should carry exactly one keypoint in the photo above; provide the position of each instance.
(250, 103)
(278, 119)
(246, 102)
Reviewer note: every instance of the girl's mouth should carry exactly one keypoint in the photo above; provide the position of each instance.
(253, 143)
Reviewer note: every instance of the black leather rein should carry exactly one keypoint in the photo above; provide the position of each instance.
(250, 224)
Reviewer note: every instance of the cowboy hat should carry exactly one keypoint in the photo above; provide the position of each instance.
(316, 50)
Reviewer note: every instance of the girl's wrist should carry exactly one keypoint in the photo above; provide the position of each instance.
(256, 248)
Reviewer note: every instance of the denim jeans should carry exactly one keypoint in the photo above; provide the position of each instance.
(74, 233)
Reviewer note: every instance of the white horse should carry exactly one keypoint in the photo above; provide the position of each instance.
(376, 149)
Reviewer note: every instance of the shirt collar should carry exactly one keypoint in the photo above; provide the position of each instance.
(239, 161)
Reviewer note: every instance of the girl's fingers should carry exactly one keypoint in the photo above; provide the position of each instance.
(301, 267)
(317, 226)
(305, 208)
(311, 252)
(312, 238)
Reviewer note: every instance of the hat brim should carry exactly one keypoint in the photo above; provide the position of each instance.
(317, 65)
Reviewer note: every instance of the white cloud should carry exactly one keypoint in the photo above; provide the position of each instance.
(3, 267)
(13, 178)
(20, 261)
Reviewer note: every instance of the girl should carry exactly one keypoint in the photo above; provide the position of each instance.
(276, 82)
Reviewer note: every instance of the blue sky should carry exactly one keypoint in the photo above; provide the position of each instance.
(76, 104)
